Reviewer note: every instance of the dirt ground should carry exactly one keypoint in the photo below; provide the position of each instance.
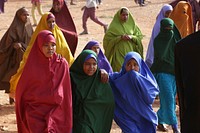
(144, 17)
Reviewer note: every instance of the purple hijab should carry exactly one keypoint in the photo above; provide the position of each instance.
(155, 31)
(102, 60)
(134, 94)
(2, 6)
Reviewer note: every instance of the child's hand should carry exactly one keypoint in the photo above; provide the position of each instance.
(104, 76)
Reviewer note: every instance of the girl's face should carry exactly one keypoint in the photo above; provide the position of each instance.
(49, 49)
(124, 16)
(51, 23)
(57, 6)
(90, 66)
(24, 16)
(96, 49)
(167, 13)
(132, 65)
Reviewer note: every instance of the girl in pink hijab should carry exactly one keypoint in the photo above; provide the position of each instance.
(43, 93)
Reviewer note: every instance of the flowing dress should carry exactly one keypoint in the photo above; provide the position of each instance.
(93, 101)
(115, 48)
(18, 32)
(134, 94)
(66, 24)
(43, 93)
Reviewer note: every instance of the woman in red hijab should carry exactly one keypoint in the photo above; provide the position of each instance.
(65, 23)
(43, 93)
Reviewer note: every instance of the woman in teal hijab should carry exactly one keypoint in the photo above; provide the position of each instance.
(93, 101)
(122, 36)
(163, 70)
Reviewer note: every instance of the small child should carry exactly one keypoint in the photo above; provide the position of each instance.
(134, 89)
(89, 11)
(36, 4)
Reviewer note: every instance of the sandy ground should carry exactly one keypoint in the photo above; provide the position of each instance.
(144, 17)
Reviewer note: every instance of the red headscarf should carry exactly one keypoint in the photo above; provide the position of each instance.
(43, 93)
(66, 24)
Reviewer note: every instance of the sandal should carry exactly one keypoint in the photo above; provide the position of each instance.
(162, 127)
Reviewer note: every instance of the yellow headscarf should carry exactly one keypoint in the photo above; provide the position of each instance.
(62, 48)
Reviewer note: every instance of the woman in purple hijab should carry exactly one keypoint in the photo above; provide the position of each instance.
(134, 89)
(102, 60)
(164, 12)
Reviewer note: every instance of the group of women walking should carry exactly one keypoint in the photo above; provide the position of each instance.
(83, 95)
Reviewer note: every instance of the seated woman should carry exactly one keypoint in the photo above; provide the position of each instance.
(93, 101)
(102, 60)
(12, 47)
(66, 24)
(43, 94)
(134, 89)
(122, 36)
(47, 22)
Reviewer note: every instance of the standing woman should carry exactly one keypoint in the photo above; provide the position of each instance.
(164, 13)
(36, 4)
(122, 36)
(93, 101)
(183, 19)
(134, 89)
(47, 22)
(12, 47)
(163, 70)
(43, 94)
(65, 23)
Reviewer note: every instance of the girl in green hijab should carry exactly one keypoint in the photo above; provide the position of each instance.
(122, 36)
(93, 101)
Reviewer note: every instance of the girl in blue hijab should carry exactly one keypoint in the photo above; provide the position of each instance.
(134, 89)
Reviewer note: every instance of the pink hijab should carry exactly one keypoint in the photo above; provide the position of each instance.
(65, 22)
(43, 93)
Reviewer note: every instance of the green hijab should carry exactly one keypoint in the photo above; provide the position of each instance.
(115, 48)
(93, 102)
(164, 45)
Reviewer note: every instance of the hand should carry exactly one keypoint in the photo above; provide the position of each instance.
(104, 76)
(82, 8)
(126, 37)
(12, 95)
(17, 45)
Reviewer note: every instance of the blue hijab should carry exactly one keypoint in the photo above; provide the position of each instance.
(102, 60)
(134, 94)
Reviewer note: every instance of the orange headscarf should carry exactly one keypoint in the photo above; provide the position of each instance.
(182, 17)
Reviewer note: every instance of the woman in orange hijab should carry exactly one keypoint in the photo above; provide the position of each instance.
(182, 17)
